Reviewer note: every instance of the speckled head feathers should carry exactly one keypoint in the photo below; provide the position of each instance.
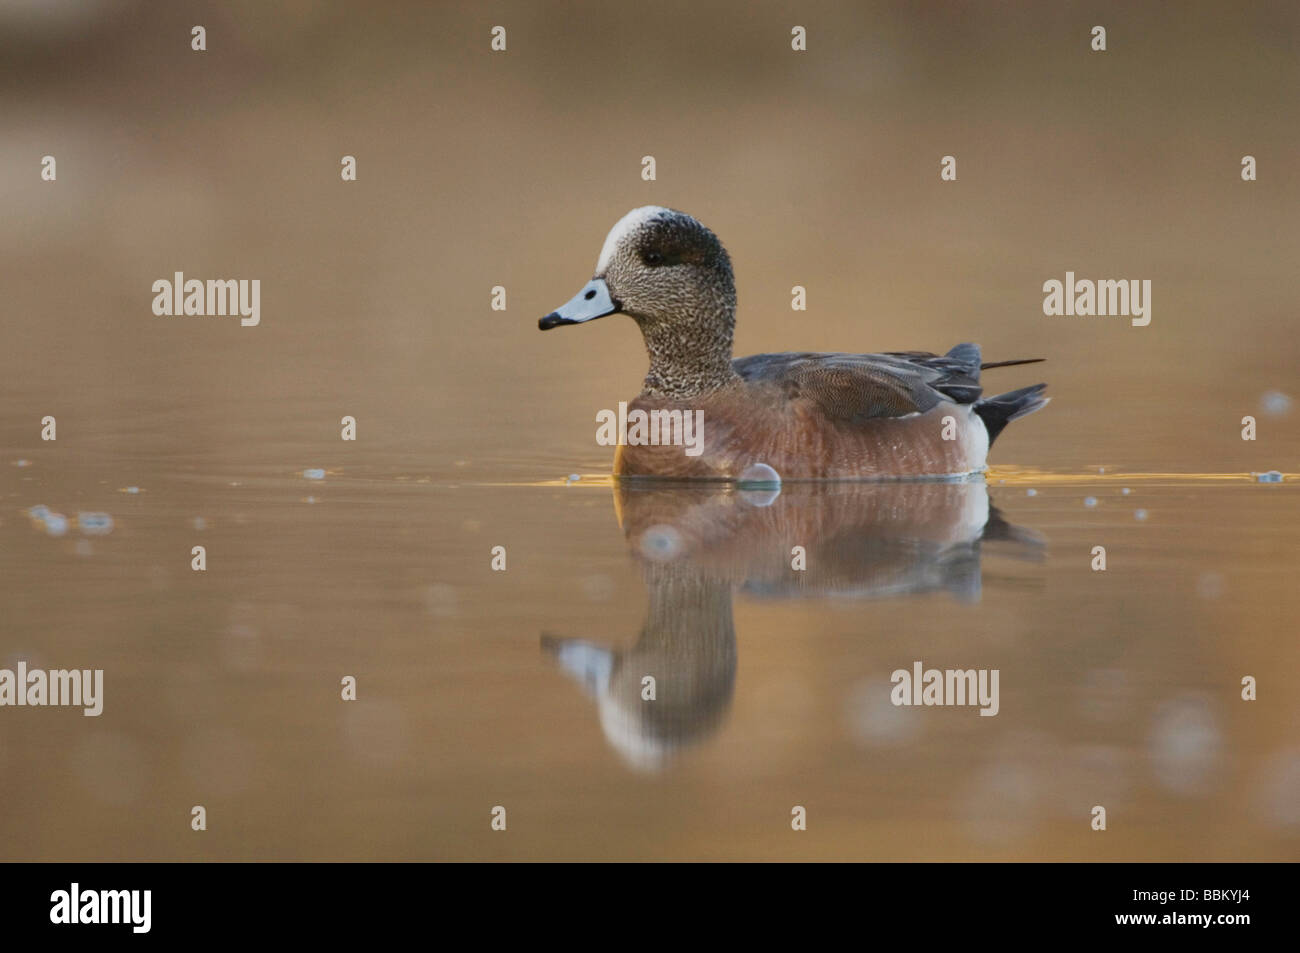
(670, 274)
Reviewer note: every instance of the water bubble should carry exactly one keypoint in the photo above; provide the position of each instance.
(22, 463)
(1140, 515)
(1126, 491)
(572, 478)
(199, 523)
(759, 485)
(314, 473)
(1031, 492)
(56, 524)
(760, 475)
(661, 543)
(39, 512)
(95, 524)
(1275, 402)
(1089, 501)
(1272, 476)
(132, 490)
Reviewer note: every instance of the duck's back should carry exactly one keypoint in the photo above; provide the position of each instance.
(840, 416)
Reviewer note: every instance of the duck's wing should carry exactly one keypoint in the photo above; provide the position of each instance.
(853, 387)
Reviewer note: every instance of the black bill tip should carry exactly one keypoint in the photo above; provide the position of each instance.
(552, 320)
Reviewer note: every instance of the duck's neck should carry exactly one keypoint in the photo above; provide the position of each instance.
(688, 360)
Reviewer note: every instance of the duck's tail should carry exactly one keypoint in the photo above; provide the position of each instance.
(997, 412)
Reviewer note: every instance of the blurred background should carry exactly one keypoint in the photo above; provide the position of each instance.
(479, 168)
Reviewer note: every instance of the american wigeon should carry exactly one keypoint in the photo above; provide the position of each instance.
(808, 416)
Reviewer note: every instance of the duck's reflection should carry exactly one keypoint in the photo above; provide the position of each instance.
(697, 544)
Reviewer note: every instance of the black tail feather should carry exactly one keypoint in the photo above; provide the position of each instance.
(1023, 360)
(997, 412)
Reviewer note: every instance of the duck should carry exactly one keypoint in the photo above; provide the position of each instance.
(787, 416)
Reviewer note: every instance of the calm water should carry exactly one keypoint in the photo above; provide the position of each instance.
(478, 688)
(522, 688)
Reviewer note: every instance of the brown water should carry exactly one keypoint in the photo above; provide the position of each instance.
(478, 688)
(522, 688)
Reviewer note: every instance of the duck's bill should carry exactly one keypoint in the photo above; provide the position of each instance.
(592, 302)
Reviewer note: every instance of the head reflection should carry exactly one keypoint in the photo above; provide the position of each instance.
(696, 545)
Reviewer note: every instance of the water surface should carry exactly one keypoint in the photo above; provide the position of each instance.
(522, 688)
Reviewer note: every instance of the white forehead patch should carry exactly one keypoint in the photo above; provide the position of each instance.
(625, 226)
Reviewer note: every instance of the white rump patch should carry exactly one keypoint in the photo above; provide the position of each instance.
(625, 226)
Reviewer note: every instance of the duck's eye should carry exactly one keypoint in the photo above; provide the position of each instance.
(653, 258)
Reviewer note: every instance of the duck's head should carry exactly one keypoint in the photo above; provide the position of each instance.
(673, 277)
